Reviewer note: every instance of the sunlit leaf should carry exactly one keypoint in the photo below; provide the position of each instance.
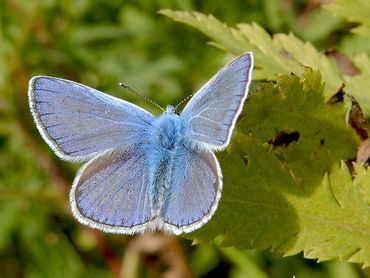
(359, 85)
(292, 194)
(355, 11)
(273, 55)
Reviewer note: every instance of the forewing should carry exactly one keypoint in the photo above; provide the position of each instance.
(212, 112)
(79, 122)
(110, 193)
(194, 192)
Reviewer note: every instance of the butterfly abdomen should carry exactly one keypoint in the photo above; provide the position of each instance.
(168, 137)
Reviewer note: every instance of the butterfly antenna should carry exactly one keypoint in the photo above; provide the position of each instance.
(181, 102)
(126, 87)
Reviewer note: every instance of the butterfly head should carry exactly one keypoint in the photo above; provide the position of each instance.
(170, 109)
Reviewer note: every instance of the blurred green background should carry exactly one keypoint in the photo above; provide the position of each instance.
(100, 43)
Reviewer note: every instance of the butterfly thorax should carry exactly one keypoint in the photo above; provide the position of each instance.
(168, 137)
(169, 131)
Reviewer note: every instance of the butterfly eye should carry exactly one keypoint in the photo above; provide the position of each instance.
(170, 109)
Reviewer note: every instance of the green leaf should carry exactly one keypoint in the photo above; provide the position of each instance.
(203, 260)
(358, 85)
(244, 264)
(363, 30)
(321, 23)
(273, 55)
(354, 11)
(290, 193)
(362, 181)
(353, 44)
(340, 269)
(224, 36)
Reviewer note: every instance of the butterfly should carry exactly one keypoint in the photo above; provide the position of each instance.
(142, 173)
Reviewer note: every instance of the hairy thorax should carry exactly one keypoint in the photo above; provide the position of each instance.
(169, 132)
(168, 143)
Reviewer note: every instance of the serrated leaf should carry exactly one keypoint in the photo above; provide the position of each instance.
(341, 224)
(362, 181)
(292, 196)
(354, 11)
(273, 55)
(363, 30)
(224, 36)
(358, 85)
(306, 54)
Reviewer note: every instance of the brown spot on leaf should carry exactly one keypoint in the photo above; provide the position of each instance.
(357, 120)
(283, 138)
(363, 152)
(344, 64)
(338, 97)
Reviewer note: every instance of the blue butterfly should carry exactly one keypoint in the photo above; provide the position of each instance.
(143, 173)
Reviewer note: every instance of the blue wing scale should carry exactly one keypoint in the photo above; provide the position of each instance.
(110, 192)
(194, 192)
(79, 122)
(212, 112)
(144, 173)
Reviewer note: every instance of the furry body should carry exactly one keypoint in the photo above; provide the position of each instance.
(167, 141)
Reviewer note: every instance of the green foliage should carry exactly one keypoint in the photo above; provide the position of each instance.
(284, 170)
(276, 196)
(283, 192)
(357, 85)
(354, 11)
(273, 56)
(30, 230)
(280, 54)
(361, 181)
(96, 43)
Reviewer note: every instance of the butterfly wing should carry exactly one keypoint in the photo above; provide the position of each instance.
(194, 192)
(79, 122)
(110, 192)
(212, 112)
